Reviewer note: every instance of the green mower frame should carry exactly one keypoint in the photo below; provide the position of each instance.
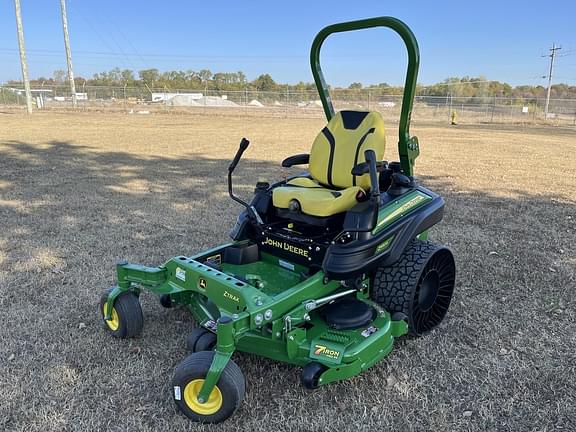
(269, 294)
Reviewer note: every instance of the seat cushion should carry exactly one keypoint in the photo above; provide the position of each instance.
(314, 199)
(341, 145)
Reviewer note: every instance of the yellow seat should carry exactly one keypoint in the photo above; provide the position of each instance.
(331, 187)
(314, 199)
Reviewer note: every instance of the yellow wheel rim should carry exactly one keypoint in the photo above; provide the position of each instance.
(211, 406)
(114, 322)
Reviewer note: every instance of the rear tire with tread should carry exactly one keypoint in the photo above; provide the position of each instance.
(419, 286)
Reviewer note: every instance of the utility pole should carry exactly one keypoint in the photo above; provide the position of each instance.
(552, 56)
(23, 56)
(68, 53)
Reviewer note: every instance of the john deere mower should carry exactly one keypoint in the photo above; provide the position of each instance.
(324, 270)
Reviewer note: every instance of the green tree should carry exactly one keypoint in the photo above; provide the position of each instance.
(265, 83)
(127, 77)
(59, 76)
(149, 76)
(205, 75)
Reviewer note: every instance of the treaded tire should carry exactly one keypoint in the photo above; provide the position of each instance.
(201, 339)
(418, 287)
(166, 301)
(231, 385)
(129, 320)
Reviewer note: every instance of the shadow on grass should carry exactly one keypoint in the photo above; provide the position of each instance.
(68, 213)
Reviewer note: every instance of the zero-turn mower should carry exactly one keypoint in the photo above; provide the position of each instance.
(324, 270)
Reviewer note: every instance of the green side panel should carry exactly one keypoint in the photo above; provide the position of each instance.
(399, 208)
(255, 343)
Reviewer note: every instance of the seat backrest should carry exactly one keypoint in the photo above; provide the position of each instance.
(341, 145)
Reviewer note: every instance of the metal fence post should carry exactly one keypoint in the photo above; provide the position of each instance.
(368, 99)
(246, 100)
(287, 102)
(493, 109)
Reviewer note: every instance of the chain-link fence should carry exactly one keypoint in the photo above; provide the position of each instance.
(290, 103)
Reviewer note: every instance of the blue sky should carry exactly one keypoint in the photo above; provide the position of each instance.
(503, 40)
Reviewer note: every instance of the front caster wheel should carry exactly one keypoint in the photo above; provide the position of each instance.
(311, 375)
(224, 399)
(126, 318)
(201, 339)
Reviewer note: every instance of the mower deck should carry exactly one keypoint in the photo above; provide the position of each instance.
(268, 304)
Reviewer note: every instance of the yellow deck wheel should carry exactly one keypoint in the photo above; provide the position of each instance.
(211, 406)
(225, 398)
(114, 322)
(126, 318)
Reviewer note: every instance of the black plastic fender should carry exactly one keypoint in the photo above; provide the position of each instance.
(345, 261)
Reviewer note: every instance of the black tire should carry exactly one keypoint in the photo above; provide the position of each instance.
(229, 390)
(311, 375)
(418, 287)
(166, 301)
(127, 313)
(201, 339)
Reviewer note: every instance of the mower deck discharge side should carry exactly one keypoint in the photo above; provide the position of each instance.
(324, 269)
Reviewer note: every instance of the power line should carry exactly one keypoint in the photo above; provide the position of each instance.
(118, 28)
(103, 40)
(177, 56)
(568, 53)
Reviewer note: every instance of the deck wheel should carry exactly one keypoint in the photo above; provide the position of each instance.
(126, 318)
(311, 373)
(201, 339)
(224, 399)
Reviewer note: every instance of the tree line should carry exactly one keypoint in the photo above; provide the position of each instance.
(467, 87)
(174, 80)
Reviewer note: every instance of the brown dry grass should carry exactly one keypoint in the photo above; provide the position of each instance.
(80, 191)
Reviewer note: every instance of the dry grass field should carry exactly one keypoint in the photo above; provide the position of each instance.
(80, 191)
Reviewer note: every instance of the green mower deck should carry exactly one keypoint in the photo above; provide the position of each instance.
(263, 322)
